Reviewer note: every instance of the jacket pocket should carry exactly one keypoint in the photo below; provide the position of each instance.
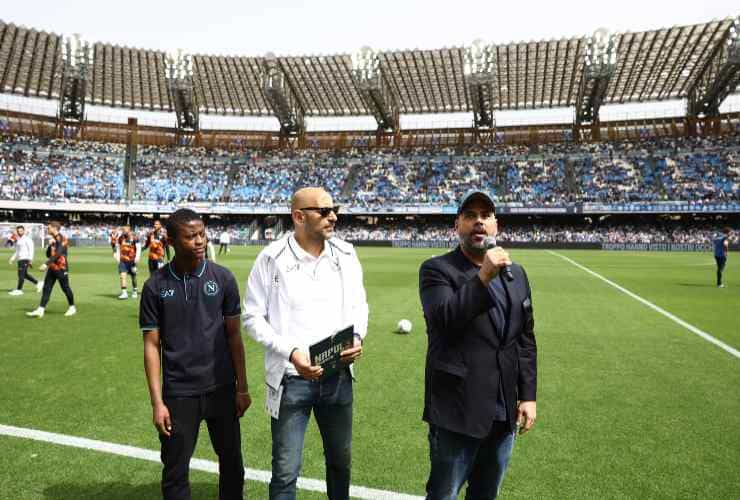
(447, 391)
(450, 368)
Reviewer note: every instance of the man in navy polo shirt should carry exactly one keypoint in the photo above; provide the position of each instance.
(190, 315)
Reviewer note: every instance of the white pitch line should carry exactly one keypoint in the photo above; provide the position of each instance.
(195, 464)
(655, 308)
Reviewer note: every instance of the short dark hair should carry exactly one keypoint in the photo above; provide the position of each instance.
(55, 224)
(726, 230)
(19, 227)
(179, 218)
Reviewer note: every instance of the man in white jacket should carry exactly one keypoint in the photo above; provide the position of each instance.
(303, 288)
(24, 256)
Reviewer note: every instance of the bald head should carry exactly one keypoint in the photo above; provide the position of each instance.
(314, 216)
(310, 197)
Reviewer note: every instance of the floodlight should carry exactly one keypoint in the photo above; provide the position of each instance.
(479, 59)
(366, 63)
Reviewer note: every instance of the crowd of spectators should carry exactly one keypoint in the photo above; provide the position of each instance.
(676, 169)
(696, 233)
(56, 170)
(442, 231)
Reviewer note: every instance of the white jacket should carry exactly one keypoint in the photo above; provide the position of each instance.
(23, 248)
(266, 311)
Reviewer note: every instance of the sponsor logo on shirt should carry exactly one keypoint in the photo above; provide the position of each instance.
(165, 293)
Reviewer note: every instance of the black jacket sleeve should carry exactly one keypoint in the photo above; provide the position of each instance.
(527, 383)
(449, 310)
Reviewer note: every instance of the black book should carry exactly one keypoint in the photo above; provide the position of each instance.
(325, 353)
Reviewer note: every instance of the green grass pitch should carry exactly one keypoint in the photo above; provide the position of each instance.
(630, 404)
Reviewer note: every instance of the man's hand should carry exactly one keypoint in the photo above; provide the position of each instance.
(303, 366)
(352, 354)
(495, 259)
(243, 401)
(161, 419)
(42, 267)
(526, 414)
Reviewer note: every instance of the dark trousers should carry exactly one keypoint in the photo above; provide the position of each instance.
(721, 261)
(50, 279)
(223, 247)
(23, 273)
(218, 409)
(331, 402)
(457, 458)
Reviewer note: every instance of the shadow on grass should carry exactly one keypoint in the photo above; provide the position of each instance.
(113, 296)
(698, 285)
(121, 491)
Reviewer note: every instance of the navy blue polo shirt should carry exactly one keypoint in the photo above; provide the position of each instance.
(719, 245)
(189, 313)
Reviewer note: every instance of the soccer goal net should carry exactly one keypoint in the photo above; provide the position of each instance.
(35, 230)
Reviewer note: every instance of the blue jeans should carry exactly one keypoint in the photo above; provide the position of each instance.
(331, 401)
(457, 458)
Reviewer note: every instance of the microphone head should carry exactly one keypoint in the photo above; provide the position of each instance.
(489, 241)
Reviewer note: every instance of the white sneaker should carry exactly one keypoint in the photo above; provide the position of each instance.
(718, 286)
(15, 292)
(71, 311)
(124, 295)
(134, 294)
(39, 286)
(36, 313)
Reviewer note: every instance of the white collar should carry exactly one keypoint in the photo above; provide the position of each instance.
(301, 255)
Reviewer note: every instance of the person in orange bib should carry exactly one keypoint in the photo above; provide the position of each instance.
(57, 269)
(128, 253)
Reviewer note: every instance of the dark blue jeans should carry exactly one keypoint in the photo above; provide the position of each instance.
(331, 402)
(721, 261)
(457, 458)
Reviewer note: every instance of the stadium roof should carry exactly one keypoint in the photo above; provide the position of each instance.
(652, 65)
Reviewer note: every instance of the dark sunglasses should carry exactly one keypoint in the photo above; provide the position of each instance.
(324, 211)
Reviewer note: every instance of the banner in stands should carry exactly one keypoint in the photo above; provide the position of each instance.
(661, 207)
(658, 247)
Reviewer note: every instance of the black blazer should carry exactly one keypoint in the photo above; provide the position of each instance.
(465, 358)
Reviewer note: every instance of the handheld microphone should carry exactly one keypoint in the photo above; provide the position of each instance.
(490, 242)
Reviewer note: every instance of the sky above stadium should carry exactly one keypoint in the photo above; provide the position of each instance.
(292, 27)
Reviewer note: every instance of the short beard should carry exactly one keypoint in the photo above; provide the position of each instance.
(470, 247)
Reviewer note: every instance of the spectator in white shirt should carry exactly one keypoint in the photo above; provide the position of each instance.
(24, 255)
(303, 288)
(223, 242)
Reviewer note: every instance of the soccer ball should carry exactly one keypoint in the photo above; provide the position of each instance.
(404, 326)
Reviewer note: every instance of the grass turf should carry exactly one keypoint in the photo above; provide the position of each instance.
(631, 405)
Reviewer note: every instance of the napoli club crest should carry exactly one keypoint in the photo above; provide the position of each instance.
(210, 288)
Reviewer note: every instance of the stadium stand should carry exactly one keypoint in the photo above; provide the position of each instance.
(648, 170)
(34, 169)
(692, 160)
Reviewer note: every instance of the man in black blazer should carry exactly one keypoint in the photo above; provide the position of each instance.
(481, 366)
